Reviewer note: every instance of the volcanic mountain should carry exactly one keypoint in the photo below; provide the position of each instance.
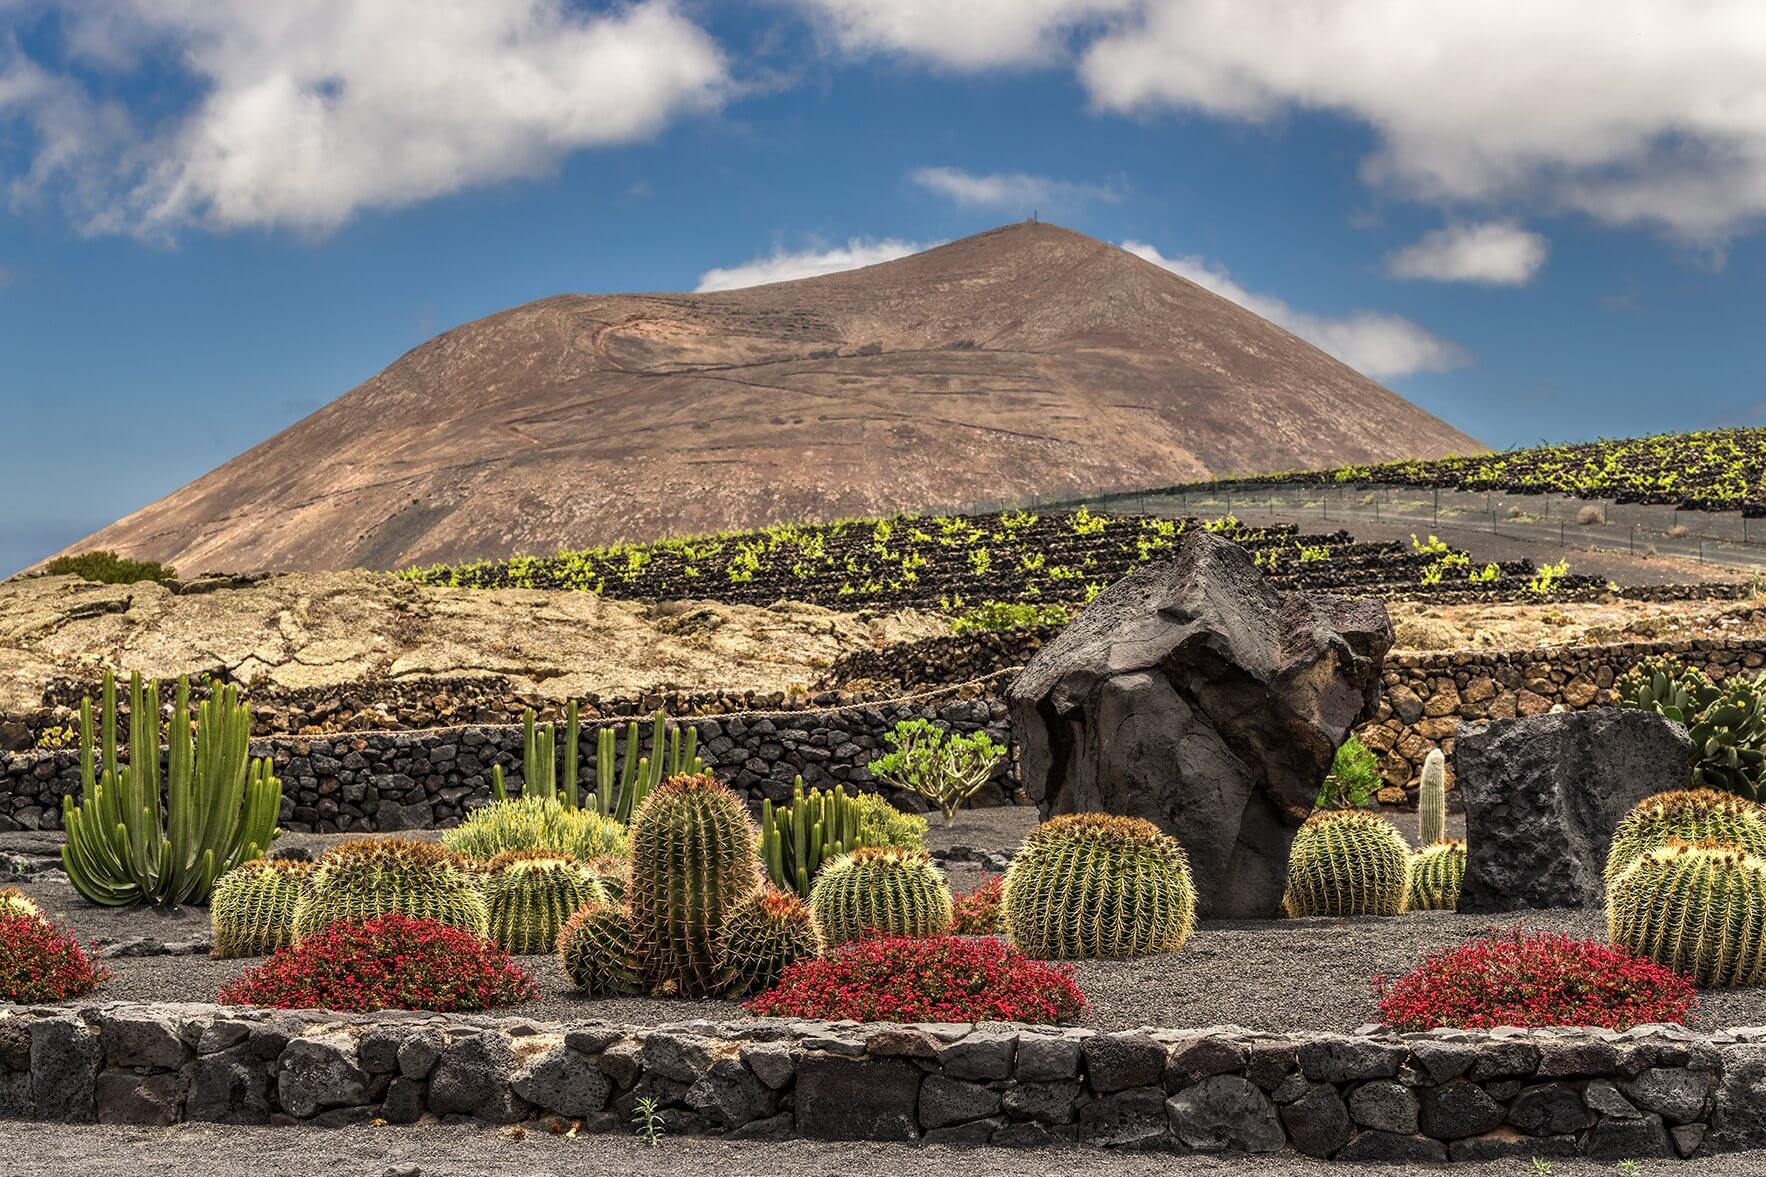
(1026, 360)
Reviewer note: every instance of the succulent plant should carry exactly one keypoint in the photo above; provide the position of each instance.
(252, 909)
(1431, 805)
(373, 876)
(1666, 684)
(1727, 723)
(598, 952)
(1697, 908)
(881, 890)
(1690, 815)
(673, 752)
(1437, 872)
(1087, 886)
(763, 935)
(14, 902)
(528, 895)
(536, 823)
(942, 766)
(693, 859)
(1347, 862)
(817, 826)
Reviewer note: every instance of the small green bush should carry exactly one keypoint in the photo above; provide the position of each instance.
(1353, 780)
(106, 567)
(993, 616)
(943, 767)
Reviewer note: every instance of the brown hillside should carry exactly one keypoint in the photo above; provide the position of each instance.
(1022, 361)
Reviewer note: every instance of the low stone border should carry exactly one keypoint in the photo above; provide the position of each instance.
(1449, 1095)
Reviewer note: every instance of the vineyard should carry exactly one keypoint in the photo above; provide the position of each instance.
(1716, 470)
(957, 562)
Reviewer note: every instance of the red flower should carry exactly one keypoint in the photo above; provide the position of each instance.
(392, 962)
(1546, 979)
(923, 979)
(978, 913)
(40, 961)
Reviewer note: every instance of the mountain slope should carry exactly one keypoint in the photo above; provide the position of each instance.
(1026, 360)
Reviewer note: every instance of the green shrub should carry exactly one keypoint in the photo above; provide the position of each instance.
(1727, 722)
(995, 616)
(1354, 777)
(941, 766)
(106, 567)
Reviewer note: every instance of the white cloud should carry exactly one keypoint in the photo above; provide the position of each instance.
(1495, 253)
(962, 34)
(781, 266)
(1008, 190)
(1378, 344)
(309, 112)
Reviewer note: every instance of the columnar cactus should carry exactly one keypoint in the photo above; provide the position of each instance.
(819, 826)
(536, 823)
(761, 937)
(252, 909)
(1431, 806)
(1437, 872)
(529, 894)
(1092, 886)
(1691, 815)
(1697, 908)
(693, 859)
(373, 876)
(598, 951)
(1347, 862)
(880, 889)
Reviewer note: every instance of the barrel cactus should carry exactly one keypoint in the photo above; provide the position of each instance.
(528, 895)
(374, 876)
(1347, 862)
(693, 859)
(761, 937)
(1431, 805)
(1437, 872)
(252, 909)
(536, 823)
(598, 952)
(614, 873)
(880, 889)
(1091, 886)
(14, 902)
(1697, 908)
(1691, 815)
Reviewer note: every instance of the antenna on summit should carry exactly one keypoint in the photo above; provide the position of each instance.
(1033, 213)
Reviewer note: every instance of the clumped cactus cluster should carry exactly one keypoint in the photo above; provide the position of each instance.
(536, 823)
(1347, 862)
(880, 890)
(1688, 815)
(1437, 874)
(251, 912)
(369, 877)
(763, 935)
(1090, 886)
(529, 894)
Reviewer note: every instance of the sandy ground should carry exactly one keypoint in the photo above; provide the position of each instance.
(1423, 626)
(210, 1150)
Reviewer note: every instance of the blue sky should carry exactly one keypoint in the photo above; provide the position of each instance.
(219, 215)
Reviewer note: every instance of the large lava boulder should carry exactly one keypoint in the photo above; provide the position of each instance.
(1543, 795)
(1194, 694)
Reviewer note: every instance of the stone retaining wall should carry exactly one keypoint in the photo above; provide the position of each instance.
(1451, 1095)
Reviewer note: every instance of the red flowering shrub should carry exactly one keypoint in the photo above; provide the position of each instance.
(978, 912)
(391, 962)
(42, 962)
(1544, 979)
(923, 979)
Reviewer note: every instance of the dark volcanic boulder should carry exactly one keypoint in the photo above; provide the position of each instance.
(1543, 795)
(1195, 695)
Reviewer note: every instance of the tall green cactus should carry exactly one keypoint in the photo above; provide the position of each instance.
(673, 753)
(130, 840)
(529, 894)
(597, 949)
(252, 909)
(762, 936)
(1690, 815)
(880, 890)
(693, 859)
(1699, 909)
(1431, 805)
(1437, 875)
(819, 826)
(370, 877)
(1089, 886)
(1347, 862)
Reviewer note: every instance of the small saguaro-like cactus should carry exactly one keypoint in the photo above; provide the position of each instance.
(597, 951)
(252, 909)
(1089, 886)
(1690, 815)
(1347, 862)
(761, 937)
(1431, 806)
(369, 877)
(881, 890)
(1697, 908)
(530, 893)
(1437, 873)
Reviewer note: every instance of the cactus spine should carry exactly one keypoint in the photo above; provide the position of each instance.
(881, 890)
(1698, 909)
(1691, 815)
(1431, 805)
(693, 859)
(1437, 873)
(252, 909)
(529, 894)
(369, 877)
(131, 840)
(598, 951)
(1089, 886)
(1347, 862)
(762, 936)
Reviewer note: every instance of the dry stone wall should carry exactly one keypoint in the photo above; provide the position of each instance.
(1449, 1095)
